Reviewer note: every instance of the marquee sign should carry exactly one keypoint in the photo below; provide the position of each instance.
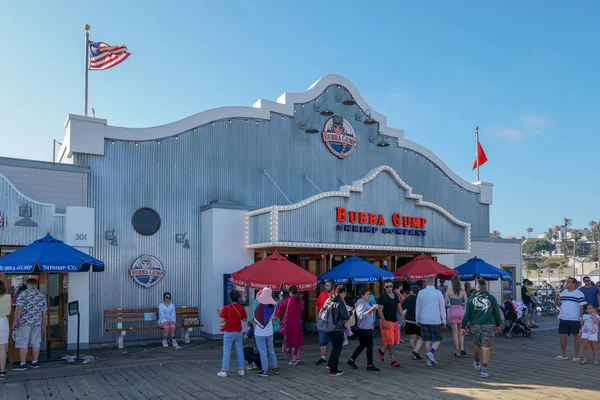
(390, 218)
(339, 138)
(147, 270)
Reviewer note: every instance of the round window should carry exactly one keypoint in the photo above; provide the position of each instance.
(146, 221)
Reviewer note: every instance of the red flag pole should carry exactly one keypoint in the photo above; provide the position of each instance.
(477, 150)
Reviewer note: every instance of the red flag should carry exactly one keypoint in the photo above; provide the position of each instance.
(479, 156)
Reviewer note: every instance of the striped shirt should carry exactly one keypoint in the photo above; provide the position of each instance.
(570, 305)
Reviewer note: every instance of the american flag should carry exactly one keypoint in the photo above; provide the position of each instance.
(104, 56)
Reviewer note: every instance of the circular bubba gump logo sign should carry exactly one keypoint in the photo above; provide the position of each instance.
(147, 270)
(339, 137)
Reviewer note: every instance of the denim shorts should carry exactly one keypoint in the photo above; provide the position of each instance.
(323, 339)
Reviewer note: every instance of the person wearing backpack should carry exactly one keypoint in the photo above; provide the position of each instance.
(331, 319)
(364, 322)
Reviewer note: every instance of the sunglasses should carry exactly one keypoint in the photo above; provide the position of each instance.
(388, 287)
(167, 297)
(587, 280)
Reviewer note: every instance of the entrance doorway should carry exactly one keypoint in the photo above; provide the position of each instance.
(54, 286)
(508, 287)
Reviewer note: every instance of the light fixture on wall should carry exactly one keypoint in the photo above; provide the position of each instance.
(343, 96)
(180, 238)
(369, 120)
(308, 127)
(382, 141)
(25, 212)
(323, 109)
(110, 235)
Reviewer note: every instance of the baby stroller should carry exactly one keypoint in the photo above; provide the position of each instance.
(513, 324)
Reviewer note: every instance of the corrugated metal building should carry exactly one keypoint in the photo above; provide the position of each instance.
(219, 179)
(37, 198)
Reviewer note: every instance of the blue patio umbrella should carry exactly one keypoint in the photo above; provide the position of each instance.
(358, 270)
(48, 255)
(477, 268)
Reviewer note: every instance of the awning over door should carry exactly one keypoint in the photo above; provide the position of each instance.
(48, 255)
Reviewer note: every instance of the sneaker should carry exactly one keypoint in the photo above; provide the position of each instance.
(431, 358)
(429, 364)
(372, 368)
(20, 367)
(241, 372)
(352, 364)
(477, 366)
(293, 362)
(263, 373)
(339, 373)
(321, 361)
(395, 364)
(252, 366)
(34, 364)
(2, 375)
(484, 373)
(276, 370)
(381, 355)
(463, 353)
(175, 344)
(165, 343)
(222, 374)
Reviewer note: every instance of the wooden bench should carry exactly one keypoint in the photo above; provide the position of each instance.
(135, 319)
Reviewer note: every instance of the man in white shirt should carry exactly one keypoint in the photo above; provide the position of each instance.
(572, 303)
(431, 317)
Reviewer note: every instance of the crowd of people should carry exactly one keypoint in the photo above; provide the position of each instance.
(423, 314)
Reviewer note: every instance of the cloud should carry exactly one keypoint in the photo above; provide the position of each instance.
(530, 123)
(510, 134)
(534, 122)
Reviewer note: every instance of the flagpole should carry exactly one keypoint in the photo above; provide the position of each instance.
(87, 60)
(476, 149)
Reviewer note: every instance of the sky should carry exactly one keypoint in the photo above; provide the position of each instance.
(526, 73)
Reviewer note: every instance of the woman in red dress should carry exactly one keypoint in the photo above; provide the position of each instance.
(292, 341)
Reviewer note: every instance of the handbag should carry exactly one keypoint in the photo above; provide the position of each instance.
(354, 326)
(191, 322)
(281, 330)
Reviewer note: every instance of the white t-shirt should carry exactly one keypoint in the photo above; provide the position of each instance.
(266, 331)
(570, 303)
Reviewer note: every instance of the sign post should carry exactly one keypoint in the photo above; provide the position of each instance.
(74, 310)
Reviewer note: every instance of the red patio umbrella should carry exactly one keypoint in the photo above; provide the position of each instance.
(272, 272)
(422, 267)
